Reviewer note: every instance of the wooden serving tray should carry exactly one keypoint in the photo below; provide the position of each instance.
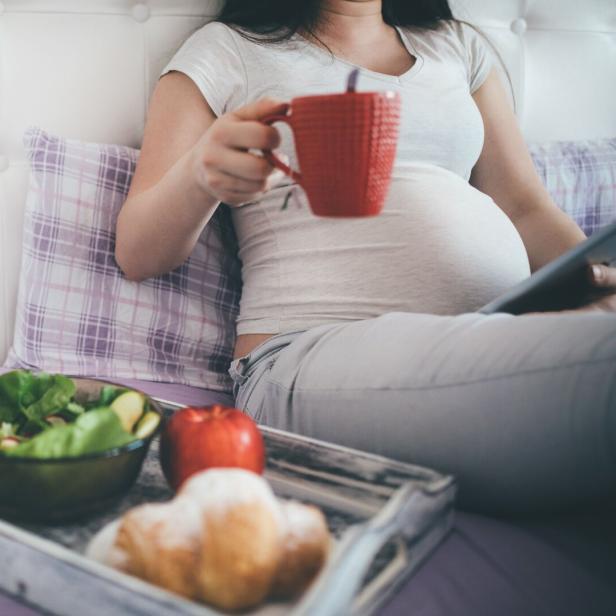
(386, 516)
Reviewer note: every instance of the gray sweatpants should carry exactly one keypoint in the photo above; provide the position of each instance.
(522, 410)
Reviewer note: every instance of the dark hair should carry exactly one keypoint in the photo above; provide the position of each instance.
(274, 21)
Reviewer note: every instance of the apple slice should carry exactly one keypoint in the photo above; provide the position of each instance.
(147, 424)
(54, 420)
(129, 408)
(9, 442)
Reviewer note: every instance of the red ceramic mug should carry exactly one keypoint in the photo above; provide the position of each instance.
(346, 147)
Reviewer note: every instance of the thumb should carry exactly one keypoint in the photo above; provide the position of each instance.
(260, 108)
(603, 276)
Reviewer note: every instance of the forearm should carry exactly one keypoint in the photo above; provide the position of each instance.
(547, 232)
(158, 228)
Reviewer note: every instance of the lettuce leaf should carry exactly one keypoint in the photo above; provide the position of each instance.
(27, 398)
(51, 394)
(92, 432)
(13, 387)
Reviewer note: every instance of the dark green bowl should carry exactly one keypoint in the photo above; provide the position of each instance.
(62, 489)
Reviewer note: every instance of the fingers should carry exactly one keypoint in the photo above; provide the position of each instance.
(246, 135)
(225, 164)
(228, 183)
(605, 304)
(260, 109)
(603, 276)
(240, 164)
(237, 191)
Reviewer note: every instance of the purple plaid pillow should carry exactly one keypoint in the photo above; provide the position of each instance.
(79, 315)
(581, 178)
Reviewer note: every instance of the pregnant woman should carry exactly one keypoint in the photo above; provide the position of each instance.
(363, 331)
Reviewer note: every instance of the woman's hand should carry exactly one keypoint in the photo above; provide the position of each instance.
(603, 278)
(222, 163)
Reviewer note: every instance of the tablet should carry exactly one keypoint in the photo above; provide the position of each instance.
(564, 283)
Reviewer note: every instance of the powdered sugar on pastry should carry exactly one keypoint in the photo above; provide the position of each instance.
(176, 524)
(102, 544)
(117, 558)
(217, 490)
(305, 546)
(302, 523)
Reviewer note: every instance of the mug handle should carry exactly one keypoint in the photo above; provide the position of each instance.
(270, 156)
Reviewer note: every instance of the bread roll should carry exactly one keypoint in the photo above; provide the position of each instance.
(305, 547)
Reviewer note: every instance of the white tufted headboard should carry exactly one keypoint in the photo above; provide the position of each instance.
(85, 69)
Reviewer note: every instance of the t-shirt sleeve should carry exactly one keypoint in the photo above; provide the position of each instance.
(211, 58)
(479, 56)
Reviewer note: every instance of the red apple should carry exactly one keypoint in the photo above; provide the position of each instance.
(198, 438)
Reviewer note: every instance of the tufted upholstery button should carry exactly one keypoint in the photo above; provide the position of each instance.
(4, 163)
(519, 26)
(141, 12)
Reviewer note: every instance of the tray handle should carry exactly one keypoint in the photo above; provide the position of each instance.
(407, 512)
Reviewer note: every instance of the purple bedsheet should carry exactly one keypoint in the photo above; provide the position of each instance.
(181, 394)
(563, 566)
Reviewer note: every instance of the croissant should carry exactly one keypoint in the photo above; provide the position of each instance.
(160, 543)
(305, 547)
(240, 536)
(225, 539)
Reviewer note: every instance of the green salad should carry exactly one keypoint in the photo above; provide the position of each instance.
(40, 417)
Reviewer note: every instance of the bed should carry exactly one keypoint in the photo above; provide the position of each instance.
(84, 69)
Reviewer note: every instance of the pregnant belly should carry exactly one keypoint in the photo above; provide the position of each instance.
(457, 248)
(439, 246)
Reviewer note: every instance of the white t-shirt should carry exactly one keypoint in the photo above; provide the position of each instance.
(439, 246)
